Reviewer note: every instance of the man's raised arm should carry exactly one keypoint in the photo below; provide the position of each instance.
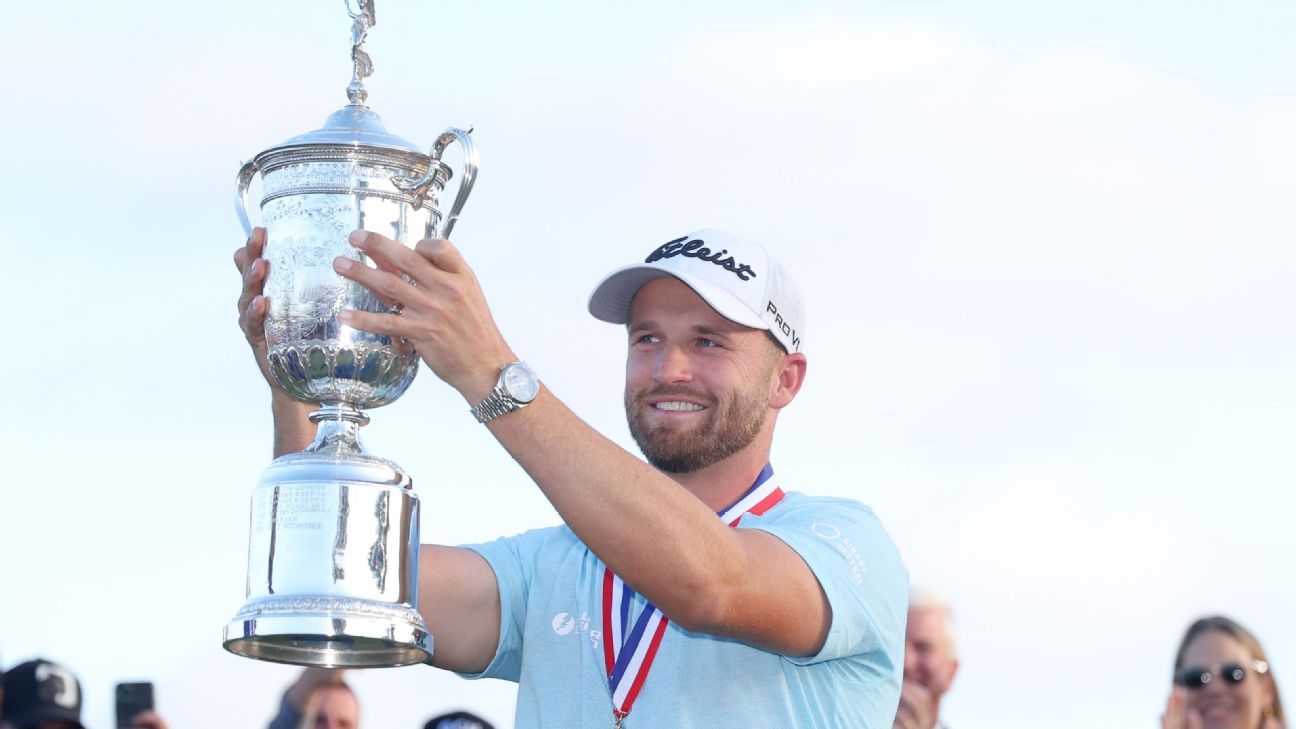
(659, 537)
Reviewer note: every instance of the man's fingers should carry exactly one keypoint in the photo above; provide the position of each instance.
(254, 275)
(443, 254)
(256, 314)
(253, 283)
(251, 250)
(398, 256)
(387, 285)
(393, 325)
(256, 242)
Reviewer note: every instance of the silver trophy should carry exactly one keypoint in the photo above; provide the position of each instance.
(332, 576)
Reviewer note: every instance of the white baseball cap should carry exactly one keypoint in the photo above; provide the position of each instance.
(735, 276)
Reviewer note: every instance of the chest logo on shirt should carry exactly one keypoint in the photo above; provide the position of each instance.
(564, 623)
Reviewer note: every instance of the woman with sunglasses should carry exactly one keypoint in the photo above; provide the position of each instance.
(1222, 680)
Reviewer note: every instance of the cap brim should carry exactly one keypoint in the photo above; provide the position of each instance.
(613, 296)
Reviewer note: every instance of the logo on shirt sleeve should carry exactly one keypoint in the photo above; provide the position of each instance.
(844, 546)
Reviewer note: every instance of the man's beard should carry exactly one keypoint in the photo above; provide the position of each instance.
(726, 429)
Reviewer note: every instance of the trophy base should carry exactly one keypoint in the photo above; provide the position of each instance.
(331, 641)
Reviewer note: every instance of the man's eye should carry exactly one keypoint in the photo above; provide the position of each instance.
(645, 339)
(704, 342)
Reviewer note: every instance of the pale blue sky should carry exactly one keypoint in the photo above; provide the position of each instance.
(1047, 252)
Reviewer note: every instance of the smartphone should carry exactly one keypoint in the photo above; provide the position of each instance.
(132, 698)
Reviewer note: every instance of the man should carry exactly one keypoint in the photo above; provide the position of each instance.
(322, 699)
(40, 694)
(644, 609)
(930, 661)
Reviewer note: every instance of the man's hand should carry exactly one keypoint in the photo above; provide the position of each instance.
(917, 710)
(1177, 714)
(443, 312)
(312, 678)
(252, 305)
(148, 720)
(292, 429)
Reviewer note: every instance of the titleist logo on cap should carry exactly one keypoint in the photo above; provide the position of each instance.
(696, 248)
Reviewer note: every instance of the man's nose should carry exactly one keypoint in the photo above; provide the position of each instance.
(673, 365)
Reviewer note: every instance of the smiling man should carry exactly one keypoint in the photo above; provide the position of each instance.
(691, 590)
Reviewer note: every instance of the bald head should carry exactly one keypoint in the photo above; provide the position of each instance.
(332, 706)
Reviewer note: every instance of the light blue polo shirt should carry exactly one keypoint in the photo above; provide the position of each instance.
(551, 629)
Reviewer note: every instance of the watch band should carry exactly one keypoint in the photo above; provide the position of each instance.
(496, 404)
(515, 389)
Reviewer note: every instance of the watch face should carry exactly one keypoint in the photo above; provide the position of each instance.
(520, 382)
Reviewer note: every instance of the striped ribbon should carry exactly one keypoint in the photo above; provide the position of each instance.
(629, 657)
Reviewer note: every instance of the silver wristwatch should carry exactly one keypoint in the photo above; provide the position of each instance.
(517, 386)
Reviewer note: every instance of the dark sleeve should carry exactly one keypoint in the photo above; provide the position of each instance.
(288, 717)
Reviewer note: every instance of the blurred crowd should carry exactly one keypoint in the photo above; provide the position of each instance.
(1221, 678)
(42, 694)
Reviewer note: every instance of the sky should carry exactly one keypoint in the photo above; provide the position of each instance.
(1046, 253)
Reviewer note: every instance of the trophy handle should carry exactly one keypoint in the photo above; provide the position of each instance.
(470, 161)
(438, 173)
(241, 184)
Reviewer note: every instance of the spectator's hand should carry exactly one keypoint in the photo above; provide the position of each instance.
(148, 720)
(252, 305)
(1177, 714)
(310, 679)
(917, 710)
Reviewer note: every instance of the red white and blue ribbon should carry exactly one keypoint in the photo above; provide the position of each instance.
(629, 655)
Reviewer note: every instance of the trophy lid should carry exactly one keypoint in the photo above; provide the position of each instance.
(355, 125)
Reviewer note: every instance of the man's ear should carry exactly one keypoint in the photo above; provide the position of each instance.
(954, 666)
(790, 374)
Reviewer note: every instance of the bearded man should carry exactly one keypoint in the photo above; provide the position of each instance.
(793, 619)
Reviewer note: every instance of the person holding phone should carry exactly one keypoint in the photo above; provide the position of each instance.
(135, 709)
(42, 694)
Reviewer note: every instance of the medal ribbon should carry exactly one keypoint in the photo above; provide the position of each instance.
(629, 657)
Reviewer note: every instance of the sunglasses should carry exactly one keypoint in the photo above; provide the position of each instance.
(1196, 677)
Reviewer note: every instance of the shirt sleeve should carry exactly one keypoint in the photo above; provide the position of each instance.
(288, 717)
(512, 559)
(860, 571)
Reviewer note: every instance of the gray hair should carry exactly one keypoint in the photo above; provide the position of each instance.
(927, 598)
